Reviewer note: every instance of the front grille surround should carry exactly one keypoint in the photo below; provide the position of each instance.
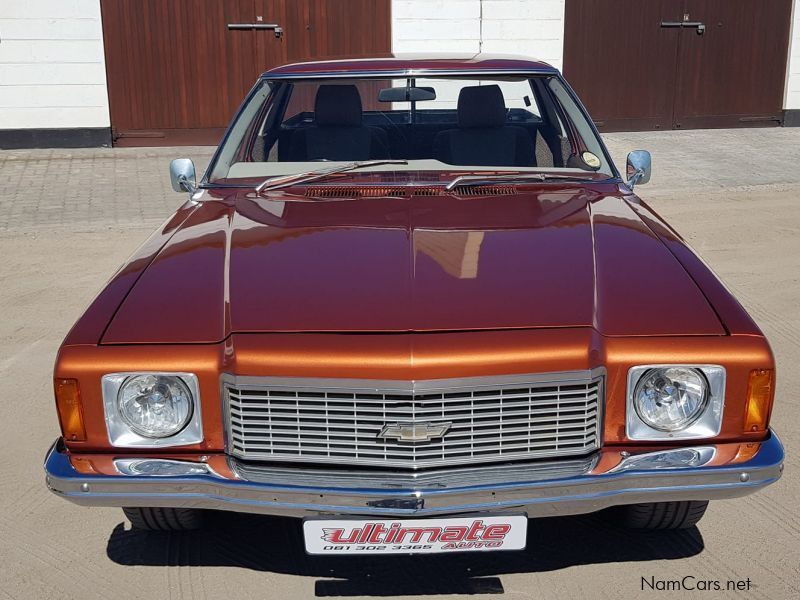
(493, 419)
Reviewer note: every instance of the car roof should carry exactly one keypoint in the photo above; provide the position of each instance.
(402, 65)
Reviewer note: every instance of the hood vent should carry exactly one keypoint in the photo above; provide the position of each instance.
(341, 191)
(485, 190)
(369, 191)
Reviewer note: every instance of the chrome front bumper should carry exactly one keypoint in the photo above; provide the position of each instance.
(611, 477)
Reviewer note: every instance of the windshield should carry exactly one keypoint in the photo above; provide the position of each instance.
(459, 124)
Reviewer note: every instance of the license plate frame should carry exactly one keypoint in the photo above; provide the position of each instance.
(338, 536)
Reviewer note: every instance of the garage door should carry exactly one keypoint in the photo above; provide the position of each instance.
(672, 64)
(178, 69)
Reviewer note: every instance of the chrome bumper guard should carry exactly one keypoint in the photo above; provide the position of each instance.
(551, 489)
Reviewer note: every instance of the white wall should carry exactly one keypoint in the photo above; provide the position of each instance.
(793, 79)
(52, 69)
(532, 28)
(52, 65)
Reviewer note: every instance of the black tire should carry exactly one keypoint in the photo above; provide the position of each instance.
(662, 515)
(164, 519)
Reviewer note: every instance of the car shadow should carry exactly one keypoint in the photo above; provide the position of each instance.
(275, 545)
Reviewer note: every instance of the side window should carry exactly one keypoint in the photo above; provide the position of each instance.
(235, 146)
(519, 98)
(300, 106)
(587, 142)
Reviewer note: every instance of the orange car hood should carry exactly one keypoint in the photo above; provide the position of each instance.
(546, 257)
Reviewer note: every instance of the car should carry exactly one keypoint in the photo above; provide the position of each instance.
(412, 303)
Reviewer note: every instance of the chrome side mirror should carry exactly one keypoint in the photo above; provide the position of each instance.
(638, 168)
(182, 175)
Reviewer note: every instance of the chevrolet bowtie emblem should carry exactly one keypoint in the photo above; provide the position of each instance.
(414, 432)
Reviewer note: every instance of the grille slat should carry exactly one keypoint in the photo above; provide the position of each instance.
(431, 478)
(578, 444)
(312, 408)
(452, 437)
(269, 420)
(335, 429)
(252, 409)
(453, 417)
(380, 398)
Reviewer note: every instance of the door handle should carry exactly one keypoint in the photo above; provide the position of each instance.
(252, 26)
(697, 25)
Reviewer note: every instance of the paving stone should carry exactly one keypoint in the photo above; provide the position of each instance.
(84, 189)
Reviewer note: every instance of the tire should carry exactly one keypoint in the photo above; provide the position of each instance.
(662, 515)
(164, 519)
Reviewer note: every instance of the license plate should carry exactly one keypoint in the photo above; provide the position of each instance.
(418, 536)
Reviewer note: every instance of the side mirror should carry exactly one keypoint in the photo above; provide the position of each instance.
(182, 175)
(638, 168)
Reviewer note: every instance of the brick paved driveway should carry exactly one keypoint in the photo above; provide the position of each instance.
(69, 218)
(128, 187)
(89, 188)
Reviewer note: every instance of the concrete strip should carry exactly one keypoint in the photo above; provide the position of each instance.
(69, 218)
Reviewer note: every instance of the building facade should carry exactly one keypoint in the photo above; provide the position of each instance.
(97, 72)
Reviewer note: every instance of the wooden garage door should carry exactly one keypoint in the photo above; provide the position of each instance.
(177, 72)
(667, 64)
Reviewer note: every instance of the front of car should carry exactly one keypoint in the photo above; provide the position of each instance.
(413, 302)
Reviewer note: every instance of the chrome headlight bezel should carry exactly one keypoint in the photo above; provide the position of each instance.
(120, 433)
(707, 425)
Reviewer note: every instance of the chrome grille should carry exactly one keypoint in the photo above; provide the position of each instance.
(339, 421)
(445, 478)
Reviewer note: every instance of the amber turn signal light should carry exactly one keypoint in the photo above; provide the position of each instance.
(760, 391)
(70, 410)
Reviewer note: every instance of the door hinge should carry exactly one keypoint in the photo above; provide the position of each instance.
(697, 25)
(253, 26)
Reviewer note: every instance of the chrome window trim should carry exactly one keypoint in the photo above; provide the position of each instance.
(708, 425)
(548, 71)
(121, 436)
(393, 73)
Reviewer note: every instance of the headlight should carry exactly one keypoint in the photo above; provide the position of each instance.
(155, 405)
(671, 402)
(671, 399)
(152, 410)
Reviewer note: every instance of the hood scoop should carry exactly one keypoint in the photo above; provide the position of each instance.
(371, 191)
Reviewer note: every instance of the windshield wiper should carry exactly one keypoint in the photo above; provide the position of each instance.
(275, 183)
(469, 180)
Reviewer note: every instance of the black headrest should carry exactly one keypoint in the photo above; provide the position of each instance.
(338, 105)
(481, 106)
